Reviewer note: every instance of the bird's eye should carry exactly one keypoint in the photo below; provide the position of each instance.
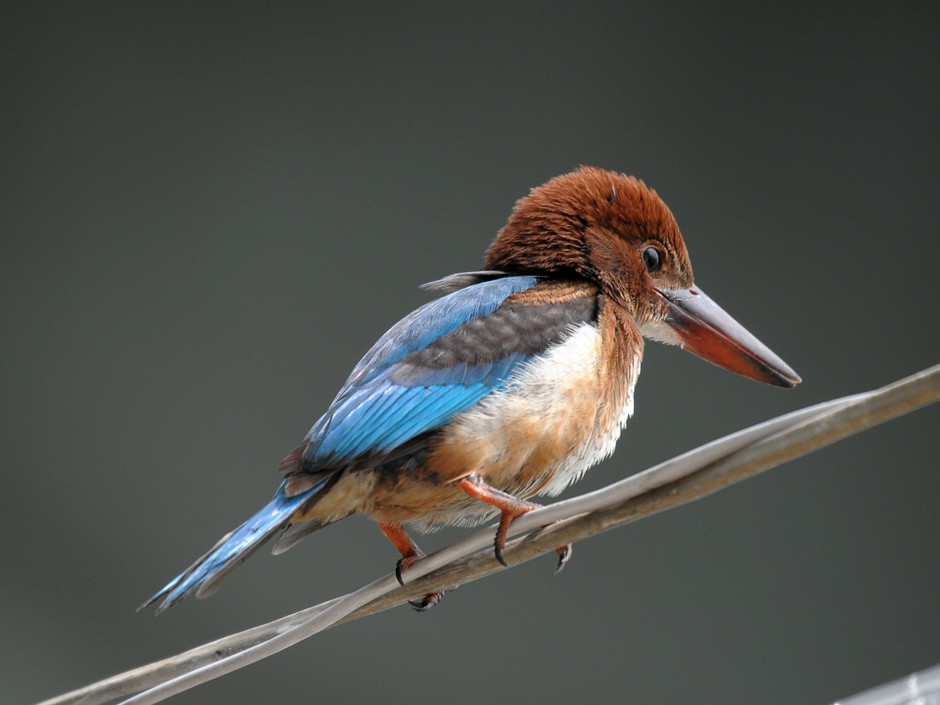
(651, 259)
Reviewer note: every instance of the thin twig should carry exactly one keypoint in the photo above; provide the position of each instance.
(671, 484)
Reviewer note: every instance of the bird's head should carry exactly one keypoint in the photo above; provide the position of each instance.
(610, 229)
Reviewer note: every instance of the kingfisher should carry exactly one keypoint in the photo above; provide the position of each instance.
(511, 384)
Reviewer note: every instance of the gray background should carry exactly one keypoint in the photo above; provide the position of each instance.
(210, 211)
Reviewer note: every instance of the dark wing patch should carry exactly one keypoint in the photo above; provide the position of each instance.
(488, 346)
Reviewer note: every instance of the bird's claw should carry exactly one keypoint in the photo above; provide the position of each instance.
(404, 564)
(427, 602)
(564, 555)
(398, 570)
(498, 551)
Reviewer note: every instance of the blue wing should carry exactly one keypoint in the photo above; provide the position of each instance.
(421, 373)
(434, 363)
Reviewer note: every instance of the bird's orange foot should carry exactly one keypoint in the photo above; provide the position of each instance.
(428, 601)
(410, 554)
(510, 507)
(508, 516)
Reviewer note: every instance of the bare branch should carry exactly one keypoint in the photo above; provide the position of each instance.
(671, 484)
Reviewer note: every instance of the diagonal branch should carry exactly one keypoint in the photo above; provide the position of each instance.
(671, 484)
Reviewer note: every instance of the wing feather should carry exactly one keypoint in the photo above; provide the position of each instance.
(440, 360)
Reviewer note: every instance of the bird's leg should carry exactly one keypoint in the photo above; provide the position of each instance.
(511, 507)
(410, 553)
(409, 550)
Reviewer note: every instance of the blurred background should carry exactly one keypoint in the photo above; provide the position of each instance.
(209, 211)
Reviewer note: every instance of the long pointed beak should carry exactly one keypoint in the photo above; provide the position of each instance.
(705, 329)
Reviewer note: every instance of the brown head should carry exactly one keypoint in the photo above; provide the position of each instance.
(599, 225)
(611, 229)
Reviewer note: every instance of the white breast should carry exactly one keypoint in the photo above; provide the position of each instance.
(555, 418)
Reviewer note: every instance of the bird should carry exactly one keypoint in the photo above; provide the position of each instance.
(511, 384)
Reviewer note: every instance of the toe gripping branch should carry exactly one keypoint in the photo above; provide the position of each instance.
(511, 507)
(410, 554)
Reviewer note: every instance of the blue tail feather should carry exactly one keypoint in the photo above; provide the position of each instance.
(204, 576)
